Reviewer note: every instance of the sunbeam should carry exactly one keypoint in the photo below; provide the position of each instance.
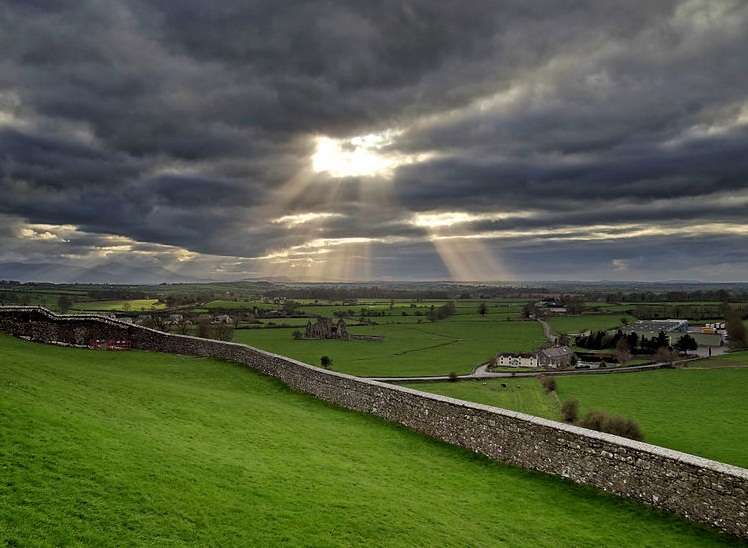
(469, 260)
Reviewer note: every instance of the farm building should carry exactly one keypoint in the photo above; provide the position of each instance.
(553, 357)
(652, 328)
(713, 340)
(516, 359)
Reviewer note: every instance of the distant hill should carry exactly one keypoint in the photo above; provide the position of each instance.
(112, 272)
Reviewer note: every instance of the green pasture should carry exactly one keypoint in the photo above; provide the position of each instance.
(704, 412)
(137, 448)
(411, 308)
(674, 303)
(523, 395)
(32, 298)
(134, 305)
(223, 304)
(378, 311)
(729, 359)
(457, 344)
(698, 411)
(295, 322)
(611, 308)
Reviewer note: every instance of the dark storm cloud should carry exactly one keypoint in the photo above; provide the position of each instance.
(58, 163)
(702, 167)
(188, 123)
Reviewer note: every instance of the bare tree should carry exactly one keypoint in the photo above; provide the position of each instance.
(224, 331)
(64, 303)
(158, 322)
(570, 410)
(204, 329)
(664, 355)
(736, 331)
(623, 351)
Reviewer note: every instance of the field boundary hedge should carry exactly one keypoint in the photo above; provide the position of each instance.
(698, 489)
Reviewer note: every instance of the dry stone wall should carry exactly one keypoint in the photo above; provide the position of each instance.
(701, 490)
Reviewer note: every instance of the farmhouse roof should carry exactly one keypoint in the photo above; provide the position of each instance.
(556, 351)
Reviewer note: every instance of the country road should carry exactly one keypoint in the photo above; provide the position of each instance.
(481, 373)
(547, 331)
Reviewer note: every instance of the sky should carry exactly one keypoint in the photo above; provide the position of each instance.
(393, 140)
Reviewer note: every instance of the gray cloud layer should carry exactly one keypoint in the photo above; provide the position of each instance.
(573, 139)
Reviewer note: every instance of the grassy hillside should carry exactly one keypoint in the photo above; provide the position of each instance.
(138, 448)
(699, 411)
(457, 344)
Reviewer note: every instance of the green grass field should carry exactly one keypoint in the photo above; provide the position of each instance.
(37, 297)
(457, 344)
(409, 311)
(136, 448)
(731, 359)
(704, 412)
(699, 411)
(584, 322)
(523, 395)
(119, 306)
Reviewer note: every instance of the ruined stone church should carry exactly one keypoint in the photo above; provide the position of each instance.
(325, 328)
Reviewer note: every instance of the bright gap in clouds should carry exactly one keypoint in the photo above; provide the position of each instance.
(302, 218)
(446, 219)
(361, 156)
(341, 158)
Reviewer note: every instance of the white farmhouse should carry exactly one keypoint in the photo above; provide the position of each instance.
(516, 359)
(553, 357)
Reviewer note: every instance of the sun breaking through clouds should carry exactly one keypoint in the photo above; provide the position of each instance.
(363, 156)
(418, 140)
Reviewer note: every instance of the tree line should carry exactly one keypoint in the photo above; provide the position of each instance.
(601, 340)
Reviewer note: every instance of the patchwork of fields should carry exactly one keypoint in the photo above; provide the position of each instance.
(134, 448)
(456, 344)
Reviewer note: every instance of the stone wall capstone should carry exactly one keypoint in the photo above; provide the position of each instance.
(698, 489)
